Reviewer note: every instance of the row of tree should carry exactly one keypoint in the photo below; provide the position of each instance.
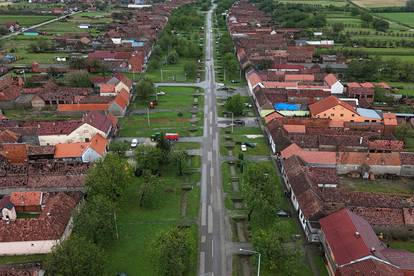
(270, 236)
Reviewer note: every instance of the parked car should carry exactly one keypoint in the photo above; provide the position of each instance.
(172, 136)
(250, 145)
(234, 81)
(134, 143)
(239, 122)
(243, 147)
(161, 93)
(248, 105)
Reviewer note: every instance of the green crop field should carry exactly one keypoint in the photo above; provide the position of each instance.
(25, 20)
(317, 2)
(406, 18)
(379, 3)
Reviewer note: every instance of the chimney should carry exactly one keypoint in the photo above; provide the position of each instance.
(357, 234)
(372, 249)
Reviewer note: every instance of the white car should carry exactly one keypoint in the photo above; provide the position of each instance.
(243, 147)
(134, 143)
(161, 93)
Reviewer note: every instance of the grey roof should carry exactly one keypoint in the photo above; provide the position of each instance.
(369, 113)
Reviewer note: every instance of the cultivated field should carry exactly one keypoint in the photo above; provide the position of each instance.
(406, 18)
(379, 3)
(25, 20)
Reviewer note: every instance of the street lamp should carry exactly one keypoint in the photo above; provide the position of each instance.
(232, 122)
(253, 252)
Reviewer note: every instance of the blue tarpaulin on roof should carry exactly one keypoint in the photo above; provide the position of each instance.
(286, 106)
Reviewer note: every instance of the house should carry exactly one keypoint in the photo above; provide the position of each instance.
(8, 212)
(339, 110)
(119, 106)
(27, 201)
(352, 248)
(86, 152)
(71, 131)
(10, 89)
(334, 84)
(39, 235)
(364, 92)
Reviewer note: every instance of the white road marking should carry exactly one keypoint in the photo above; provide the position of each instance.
(210, 219)
(209, 156)
(202, 262)
(212, 248)
(203, 239)
(203, 214)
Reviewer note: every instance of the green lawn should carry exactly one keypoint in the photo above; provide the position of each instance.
(405, 88)
(137, 125)
(26, 20)
(21, 259)
(177, 98)
(406, 18)
(338, 3)
(138, 227)
(170, 72)
(401, 186)
(406, 245)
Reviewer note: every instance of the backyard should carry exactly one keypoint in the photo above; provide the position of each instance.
(26, 20)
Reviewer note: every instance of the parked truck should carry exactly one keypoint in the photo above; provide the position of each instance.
(168, 136)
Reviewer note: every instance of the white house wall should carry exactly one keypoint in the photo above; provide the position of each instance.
(27, 247)
(90, 156)
(337, 88)
(80, 134)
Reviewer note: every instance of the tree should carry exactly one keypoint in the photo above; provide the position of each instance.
(78, 79)
(190, 69)
(78, 63)
(259, 190)
(149, 189)
(3, 30)
(76, 256)
(180, 158)
(119, 147)
(165, 146)
(145, 89)
(381, 25)
(95, 221)
(409, 6)
(109, 177)
(367, 17)
(172, 57)
(230, 62)
(402, 131)
(173, 251)
(278, 252)
(235, 104)
(149, 158)
(337, 27)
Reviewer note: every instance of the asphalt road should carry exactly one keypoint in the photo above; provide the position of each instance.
(212, 252)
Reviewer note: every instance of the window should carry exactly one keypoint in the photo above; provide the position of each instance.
(352, 121)
(353, 115)
(366, 121)
(342, 115)
(332, 114)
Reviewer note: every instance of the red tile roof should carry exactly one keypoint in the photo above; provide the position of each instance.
(390, 119)
(26, 198)
(50, 225)
(330, 79)
(82, 107)
(14, 153)
(295, 128)
(369, 267)
(311, 157)
(380, 159)
(301, 77)
(107, 88)
(98, 120)
(350, 237)
(328, 103)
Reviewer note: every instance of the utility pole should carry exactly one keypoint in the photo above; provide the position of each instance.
(148, 118)
(232, 122)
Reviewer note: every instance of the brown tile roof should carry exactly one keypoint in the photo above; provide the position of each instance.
(14, 153)
(26, 198)
(369, 267)
(8, 136)
(54, 127)
(330, 79)
(384, 159)
(328, 103)
(98, 120)
(50, 225)
(82, 107)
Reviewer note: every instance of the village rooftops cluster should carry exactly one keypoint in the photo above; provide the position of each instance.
(110, 95)
(35, 235)
(325, 136)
